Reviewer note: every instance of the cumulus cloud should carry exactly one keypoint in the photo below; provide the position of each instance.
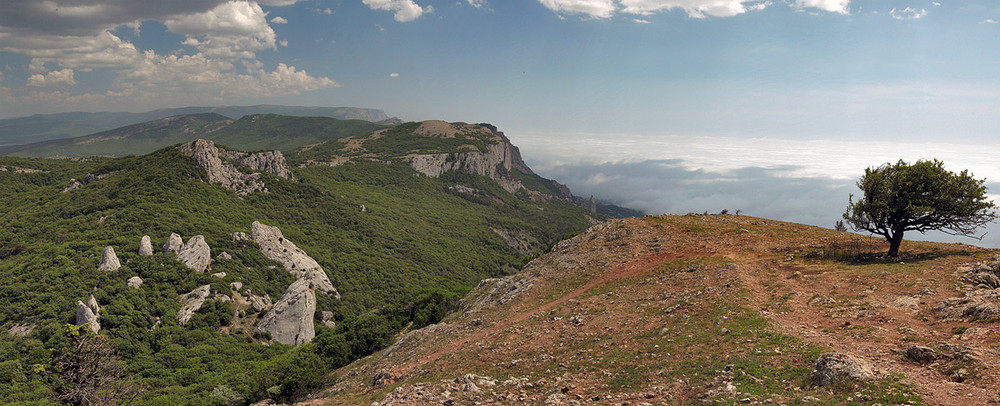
(477, 3)
(989, 21)
(393, 75)
(908, 13)
(403, 10)
(640, 21)
(279, 20)
(54, 78)
(833, 6)
(64, 37)
(693, 8)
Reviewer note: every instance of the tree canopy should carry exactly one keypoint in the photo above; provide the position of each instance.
(919, 197)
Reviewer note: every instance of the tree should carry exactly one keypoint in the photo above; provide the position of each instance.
(920, 197)
(89, 372)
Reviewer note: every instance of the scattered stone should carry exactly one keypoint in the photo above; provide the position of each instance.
(980, 304)
(382, 378)
(173, 244)
(290, 321)
(225, 255)
(327, 319)
(239, 236)
(219, 275)
(145, 246)
(259, 303)
(832, 367)
(236, 286)
(73, 185)
(85, 315)
(196, 254)
(191, 302)
(134, 282)
(21, 330)
(274, 246)
(363, 208)
(921, 355)
(109, 261)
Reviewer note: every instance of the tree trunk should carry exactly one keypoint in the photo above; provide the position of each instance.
(894, 242)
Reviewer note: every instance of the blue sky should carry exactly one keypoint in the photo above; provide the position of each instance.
(588, 87)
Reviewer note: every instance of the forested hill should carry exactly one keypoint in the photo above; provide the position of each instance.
(343, 243)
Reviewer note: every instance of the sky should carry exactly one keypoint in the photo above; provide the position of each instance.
(775, 107)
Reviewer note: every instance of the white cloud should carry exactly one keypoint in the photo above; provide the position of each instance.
(279, 20)
(833, 6)
(936, 4)
(235, 29)
(593, 8)
(694, 8)
(908, 13)
(393, 75)
(640, 21)
(277, 3)
(54, 78)
(477, 3)
(327, 11)
(403, 10)
(989, 21)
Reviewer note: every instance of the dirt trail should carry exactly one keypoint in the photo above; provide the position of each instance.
(933, 387)
(630, 268)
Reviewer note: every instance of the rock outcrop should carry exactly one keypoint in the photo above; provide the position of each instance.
(88, 314)
(109, 261)
(134, 282)
(173, 244)
(145, 246)
(196, 254)
(221, 166)
(290, 321)
(834, 367)
(191, 302)
(274, 246)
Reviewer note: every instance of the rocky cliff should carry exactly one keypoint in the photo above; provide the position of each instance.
(290, 321)
(221, 166)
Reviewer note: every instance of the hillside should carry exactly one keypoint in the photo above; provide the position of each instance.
(251, 132)
(280, 270)
(717, 309)
(46, 127)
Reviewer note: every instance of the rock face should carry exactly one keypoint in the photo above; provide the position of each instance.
(274, 246)
(834, 367)
(191, 302)
(173, 244)
(196, 254)
(221, 166)
(290, 321)
(496, 163)
(109, 261)
(86, 314)
(145, 246)
(134, 282)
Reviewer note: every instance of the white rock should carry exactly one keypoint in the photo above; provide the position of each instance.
(191, 302)
(274, 246)
(145, 246)
(196, 254)
(84, 315)
(109, 261)
(134, 282)
(290, 321)
(173, 244)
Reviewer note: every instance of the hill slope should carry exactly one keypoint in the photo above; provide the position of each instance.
(718, 309)
(251, 132)
(45, 127)
(398, 246)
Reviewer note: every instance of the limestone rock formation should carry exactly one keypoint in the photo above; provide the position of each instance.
(259, 303)
(92, 304)
(196, 254)
(145, 246)
(290, 321)
(191, 302)
(109, 261)
(225, 255)
(73, 185)
(274, 246)
(221, 166)
(134, 282)
(833, 367)
(327, 319)
(85, 314)
(173, 244)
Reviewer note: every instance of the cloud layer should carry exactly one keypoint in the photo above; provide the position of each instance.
(216, 59)
(693, 8)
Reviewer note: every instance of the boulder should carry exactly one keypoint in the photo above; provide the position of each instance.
(290, 321)
(145, 246)
(327, 319)
(225, 255)
(260, 303)
(73, 185)
(191, 302)
(85, 315)
(134, 282)
(921, 355)
(92, 304)
(236, 286)
(834, 367)
(274, 246)
(196, 254)
(220, 275)
(173, 244)
(109, 261)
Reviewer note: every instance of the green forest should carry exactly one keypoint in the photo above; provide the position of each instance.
(400, 247)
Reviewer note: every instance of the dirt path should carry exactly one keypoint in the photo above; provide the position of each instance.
(630, 268)
(802, 322)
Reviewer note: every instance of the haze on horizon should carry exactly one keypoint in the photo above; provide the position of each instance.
(672, 95)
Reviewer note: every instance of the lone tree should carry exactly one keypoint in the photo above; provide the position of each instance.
(920, 197)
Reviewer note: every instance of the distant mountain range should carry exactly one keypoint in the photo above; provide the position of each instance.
(45, 127)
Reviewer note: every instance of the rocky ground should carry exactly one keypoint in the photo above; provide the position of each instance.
(704, 309)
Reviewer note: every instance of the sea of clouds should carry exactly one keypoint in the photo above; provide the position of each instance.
(802, 181)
